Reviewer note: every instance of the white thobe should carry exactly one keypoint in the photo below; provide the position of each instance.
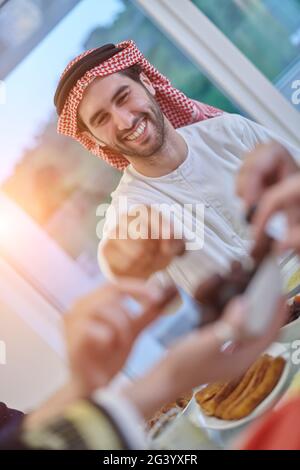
(216, 149)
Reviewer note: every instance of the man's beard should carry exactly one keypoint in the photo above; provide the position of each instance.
(154, 117)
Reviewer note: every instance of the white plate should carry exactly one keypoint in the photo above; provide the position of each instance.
(290, 332)
(203, 421)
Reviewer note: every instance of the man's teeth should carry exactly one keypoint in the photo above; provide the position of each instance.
(138, 132)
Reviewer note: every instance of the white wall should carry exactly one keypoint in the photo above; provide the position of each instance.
(31, 329)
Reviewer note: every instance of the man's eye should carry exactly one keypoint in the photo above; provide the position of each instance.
(122, 99)
(101, 120)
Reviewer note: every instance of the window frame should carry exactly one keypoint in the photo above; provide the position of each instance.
(224, 64)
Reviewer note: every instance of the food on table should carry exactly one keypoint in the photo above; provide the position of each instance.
(224, 390)
(237, 399)
(167, 413)
(161, 419)
(170, 410)
(214, 293)
(184, 399)
(294, 309)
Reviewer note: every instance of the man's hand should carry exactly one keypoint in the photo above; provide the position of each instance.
(266, 165)
(213, 364)
(100, 330)
(141, 246)
(198, 359)
(284, 196)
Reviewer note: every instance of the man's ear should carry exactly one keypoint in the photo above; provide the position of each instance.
(147, 83)
(93, 138)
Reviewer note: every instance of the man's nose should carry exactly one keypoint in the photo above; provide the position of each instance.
(123, 119)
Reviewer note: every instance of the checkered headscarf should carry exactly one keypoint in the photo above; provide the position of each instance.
(178, 108)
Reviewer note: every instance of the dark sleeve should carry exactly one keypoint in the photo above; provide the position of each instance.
(10, 428)
(82, 425)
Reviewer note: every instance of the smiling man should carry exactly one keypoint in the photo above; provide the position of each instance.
(175, 153)
(136, 136)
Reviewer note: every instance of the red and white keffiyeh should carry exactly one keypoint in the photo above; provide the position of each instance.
(178, 108)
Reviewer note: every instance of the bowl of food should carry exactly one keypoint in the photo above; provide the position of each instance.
(166, 414)
(223, 406)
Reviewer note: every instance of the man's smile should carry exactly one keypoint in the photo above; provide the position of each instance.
(139, 132)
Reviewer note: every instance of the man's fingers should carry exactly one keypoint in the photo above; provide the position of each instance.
(132, 258)
(237, 311)
(248, 187)
(270, 203)
(235, 314)
(172, 247)
(283, 196)
(99, 337)
(278, 320)
(149, 246)
(252, 176)
(248, 351)
(140, 290)
(292, 240)
(266, 165)
(153, 310)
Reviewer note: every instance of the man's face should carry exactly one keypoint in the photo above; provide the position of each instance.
(124, 115)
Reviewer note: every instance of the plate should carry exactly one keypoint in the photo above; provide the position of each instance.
(164, 420)
(209, 422)
(290, 332)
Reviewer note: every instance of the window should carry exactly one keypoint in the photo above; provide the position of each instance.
(55, 181)
(267, 32)
(23, 24)
(50, 186)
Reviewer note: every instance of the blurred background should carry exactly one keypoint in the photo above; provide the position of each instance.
(50, 187)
